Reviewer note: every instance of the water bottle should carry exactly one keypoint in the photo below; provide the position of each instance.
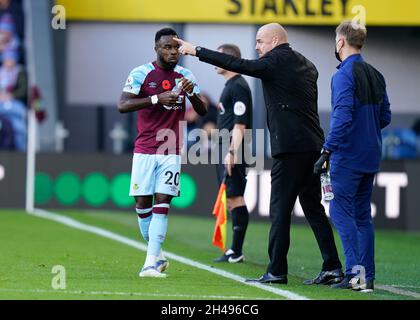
(178, 88)
(326, 186)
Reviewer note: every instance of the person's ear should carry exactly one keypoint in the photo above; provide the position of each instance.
(341, 43)
(275, 41)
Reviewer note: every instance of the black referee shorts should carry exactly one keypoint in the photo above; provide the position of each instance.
(235, 184)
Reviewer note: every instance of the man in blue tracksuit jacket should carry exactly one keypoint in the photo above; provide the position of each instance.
(360, 109)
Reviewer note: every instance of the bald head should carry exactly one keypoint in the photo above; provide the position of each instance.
(275, 30)
(270, 36)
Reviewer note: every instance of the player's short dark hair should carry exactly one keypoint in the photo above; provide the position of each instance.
(354, 33)
(231, 49)
(165, 32)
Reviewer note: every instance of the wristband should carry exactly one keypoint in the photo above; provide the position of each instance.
(154, 99)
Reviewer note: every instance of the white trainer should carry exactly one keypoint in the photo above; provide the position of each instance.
(236, 259)
(151, 272)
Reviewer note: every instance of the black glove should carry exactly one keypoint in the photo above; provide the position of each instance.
(323, 163)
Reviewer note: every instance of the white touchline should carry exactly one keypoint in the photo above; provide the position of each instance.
(399, 291)
(130, 294)
(138, 245)
(404, 286)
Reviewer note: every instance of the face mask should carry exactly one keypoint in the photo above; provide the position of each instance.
(337, 53)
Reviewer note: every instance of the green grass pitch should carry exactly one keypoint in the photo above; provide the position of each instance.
(100, 268)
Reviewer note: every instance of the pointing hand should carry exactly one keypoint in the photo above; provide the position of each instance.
(186, 48)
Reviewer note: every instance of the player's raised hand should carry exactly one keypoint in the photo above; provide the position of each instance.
(168, 98)
(186, 48)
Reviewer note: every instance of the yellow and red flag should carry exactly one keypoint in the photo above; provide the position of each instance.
(220, 211)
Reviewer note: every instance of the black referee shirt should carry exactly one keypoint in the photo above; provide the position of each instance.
(235, 106)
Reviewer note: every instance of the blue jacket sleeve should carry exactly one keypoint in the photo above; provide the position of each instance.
(342, 110)
(385, 117)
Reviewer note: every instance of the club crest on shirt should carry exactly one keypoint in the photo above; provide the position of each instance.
(130, 81)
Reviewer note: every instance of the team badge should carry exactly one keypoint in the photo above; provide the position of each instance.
(130, 81)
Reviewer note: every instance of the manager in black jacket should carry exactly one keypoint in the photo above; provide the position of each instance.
(290, 90)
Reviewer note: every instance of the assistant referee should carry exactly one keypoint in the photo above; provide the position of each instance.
(235, 116)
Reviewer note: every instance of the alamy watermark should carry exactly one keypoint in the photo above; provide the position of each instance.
(58, 21)
(359, 19)
(212, 147)
(58, 281)
(359, 279)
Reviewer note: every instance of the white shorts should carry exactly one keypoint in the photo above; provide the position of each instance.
(155, 173)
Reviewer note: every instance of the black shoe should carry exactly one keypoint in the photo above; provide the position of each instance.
(326, 277)
(231, 257)
(344, 284)
(269, 278)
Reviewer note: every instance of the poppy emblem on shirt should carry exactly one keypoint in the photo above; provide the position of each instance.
(166, 84)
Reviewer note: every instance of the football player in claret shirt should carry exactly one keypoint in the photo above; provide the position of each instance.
(157, 92)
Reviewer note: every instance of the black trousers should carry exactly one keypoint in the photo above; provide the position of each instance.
(292, 176)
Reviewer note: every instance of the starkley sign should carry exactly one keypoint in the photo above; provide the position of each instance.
(288, 12)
